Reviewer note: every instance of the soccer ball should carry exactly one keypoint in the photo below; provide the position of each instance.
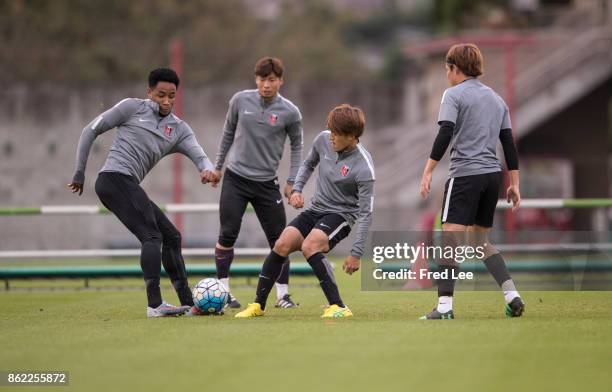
(210, 296)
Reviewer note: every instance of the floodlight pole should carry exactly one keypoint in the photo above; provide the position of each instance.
(176, 63)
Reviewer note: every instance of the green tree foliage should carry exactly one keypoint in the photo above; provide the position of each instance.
(311, 37)
(76, 41)
(451, 15)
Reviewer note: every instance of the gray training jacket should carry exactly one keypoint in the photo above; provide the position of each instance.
(345, 185)
(143, 138)
(256, 130)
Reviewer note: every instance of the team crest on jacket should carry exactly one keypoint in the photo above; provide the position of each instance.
(344, 170)
(273, 119)
(168, 130)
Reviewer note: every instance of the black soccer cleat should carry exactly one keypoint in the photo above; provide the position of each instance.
(232, 302)
(435, 315)
(286, 302)
(515, 308)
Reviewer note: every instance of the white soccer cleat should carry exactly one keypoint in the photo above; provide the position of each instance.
(166, 310)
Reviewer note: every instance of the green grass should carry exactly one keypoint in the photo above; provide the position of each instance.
(102, 337)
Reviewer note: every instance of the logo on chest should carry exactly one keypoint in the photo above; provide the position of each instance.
(168, 130)
(273, 119)
(344, 170)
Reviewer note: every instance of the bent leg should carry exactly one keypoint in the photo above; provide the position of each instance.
(271, 216)
(495, 263)
(289, 241)
(314, 248)
(123, 196)
(172, 257)
(232, 205)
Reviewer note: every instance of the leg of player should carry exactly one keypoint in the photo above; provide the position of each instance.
(270, 211)
(283, 298)
(496, 266)
(172, 257)
(223, 261)
(290, 240)
(314, 248)
(453, 236)
(232, 205)
(120, 194)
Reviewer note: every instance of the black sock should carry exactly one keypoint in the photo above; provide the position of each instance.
(497, 267)
(324, 273)
(223, 261)
(154, 298)
(446, 286)
(283, 278)
(150, 262)
(183, 292)
(270, 271)
(174, 264)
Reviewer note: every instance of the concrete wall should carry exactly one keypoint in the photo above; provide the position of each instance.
(39, 132)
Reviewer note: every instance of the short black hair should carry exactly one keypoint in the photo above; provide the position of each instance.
(163, 75)
(269, 65)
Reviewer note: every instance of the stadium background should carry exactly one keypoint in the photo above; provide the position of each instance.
(550, 61)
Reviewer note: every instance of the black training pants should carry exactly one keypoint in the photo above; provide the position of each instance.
(160, 239)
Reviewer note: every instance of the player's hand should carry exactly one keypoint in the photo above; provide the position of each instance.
(76, 187)
(217, 178)
(351, 264)
(513, 195)
(425, 185)
(296, 200)
(209, 177)
(218, 173)
(287, 190)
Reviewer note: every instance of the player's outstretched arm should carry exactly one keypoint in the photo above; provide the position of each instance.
(188, 145)
(104, 122)
(306, 170)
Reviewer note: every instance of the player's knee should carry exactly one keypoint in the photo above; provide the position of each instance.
(152, 237)
(310, 247)
(227, 241)
(282, 247)
(229, 233)
(173, 239)
(272, 242)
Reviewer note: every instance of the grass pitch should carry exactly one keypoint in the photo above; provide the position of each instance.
(102, 337)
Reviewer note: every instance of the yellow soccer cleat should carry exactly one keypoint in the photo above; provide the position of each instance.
(335, 311)
(252, 310)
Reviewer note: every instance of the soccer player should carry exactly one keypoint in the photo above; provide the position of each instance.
(147, 130)
(344, 194)
(473, 117)
(257, 124)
